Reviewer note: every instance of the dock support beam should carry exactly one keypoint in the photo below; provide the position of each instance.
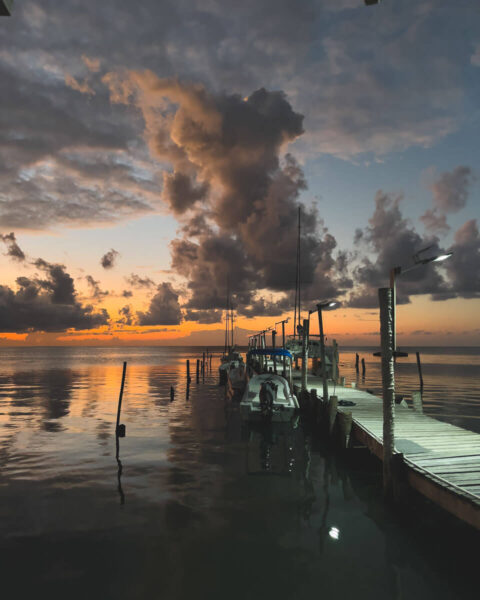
(386, 299)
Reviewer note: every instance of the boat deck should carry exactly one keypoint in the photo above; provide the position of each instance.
(442, 461)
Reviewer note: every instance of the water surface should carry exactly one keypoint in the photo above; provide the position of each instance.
(198, 505)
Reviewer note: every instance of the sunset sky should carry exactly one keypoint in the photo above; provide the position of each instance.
(152, 151)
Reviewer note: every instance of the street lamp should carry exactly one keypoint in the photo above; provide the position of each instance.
(283, 343)
(418, 262)
(320, 307)
(6, 7)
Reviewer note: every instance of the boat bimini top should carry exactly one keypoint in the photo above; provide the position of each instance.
(270, 352)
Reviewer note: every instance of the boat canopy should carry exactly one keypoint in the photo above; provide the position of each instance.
(270, 352)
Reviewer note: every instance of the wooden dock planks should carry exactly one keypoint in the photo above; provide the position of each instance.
(442, 460)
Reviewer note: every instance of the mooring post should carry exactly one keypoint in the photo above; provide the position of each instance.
(357, 358)
(363, 367)
(172, 394)
(198, 370)
(120, 429)
(385, 296)
(188, 370)
(203, 363)
(420, 376)
(335, 361)
(305, 334)
(274, 333)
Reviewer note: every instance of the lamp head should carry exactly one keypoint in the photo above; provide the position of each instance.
(442, 257)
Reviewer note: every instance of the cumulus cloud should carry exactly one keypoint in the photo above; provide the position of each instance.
(435, 222)
(450, 192)
(13, 249)
(108, 260)
(97, 293)
(463, 267)
(164, 308)
(136, 281)
(126, 315)
(393, 241)
(203, 316)
(181, 192)
(47, 302)
(245, 226)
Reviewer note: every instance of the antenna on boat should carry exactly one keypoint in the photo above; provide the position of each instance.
(297, 280)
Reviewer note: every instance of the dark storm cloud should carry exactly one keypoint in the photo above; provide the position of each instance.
(108, 260)
(47, 303)
(393, 242)
(136, 281)
(164, 308)
(97, 293)
(127, 293)
(245, 229)
(13, 249)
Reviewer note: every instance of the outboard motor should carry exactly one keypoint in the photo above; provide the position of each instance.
(268, 395)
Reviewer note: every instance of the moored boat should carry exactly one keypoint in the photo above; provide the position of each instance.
(269, 396)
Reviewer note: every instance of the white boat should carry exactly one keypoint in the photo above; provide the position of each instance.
(269, 396)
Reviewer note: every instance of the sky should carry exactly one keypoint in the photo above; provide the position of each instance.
(153, 154)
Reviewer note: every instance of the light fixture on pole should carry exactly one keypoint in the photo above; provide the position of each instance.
(283, 343)
(395, 271)
(320, 307)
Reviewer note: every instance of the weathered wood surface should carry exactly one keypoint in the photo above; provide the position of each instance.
(442, 461)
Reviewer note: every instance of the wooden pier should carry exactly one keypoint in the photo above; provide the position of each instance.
(439, 460)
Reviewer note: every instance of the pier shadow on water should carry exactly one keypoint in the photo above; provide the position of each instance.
(195, 503)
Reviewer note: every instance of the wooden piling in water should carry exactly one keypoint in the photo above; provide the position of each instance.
(357, 358)
(363, 367)
(188, 371)
(120, 429)
(172, 394)
(419, 366)
(198, 370)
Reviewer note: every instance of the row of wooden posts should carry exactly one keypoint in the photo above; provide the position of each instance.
(204, 364)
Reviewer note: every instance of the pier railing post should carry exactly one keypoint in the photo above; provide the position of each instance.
(306, 323)
(385, 296)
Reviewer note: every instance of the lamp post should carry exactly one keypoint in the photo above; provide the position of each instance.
(395, 271)
(320, 308)
(283, 343)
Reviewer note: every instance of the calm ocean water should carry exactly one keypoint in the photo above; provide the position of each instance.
(198, 505)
